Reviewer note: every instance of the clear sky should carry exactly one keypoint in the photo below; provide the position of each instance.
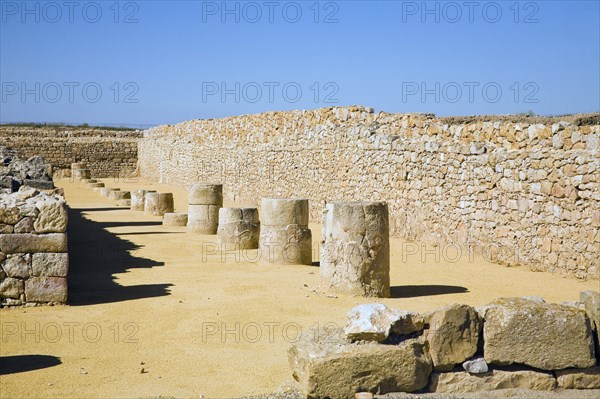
(152, 62)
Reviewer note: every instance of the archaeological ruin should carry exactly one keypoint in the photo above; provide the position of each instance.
(330, 196)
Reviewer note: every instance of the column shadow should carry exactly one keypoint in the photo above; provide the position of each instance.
(412, 291)
(23, 363)
(95, 256)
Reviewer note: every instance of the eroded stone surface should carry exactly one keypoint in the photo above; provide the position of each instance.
(463, 382)
(542, 335)
(157, 204)
(203, 219)
(17, 265)
(579, 378)
(52, 217)
(11, 288)
(284, 211)
(22, 243)
(375, 322)
(205, 194)
(290, 244)
(50, 264)
(355, 253)
(175, 219)
(338, 370)
(453, 336)
(239, 226)
(46, 289)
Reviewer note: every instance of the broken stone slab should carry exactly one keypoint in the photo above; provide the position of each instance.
(17, 265)
(11, 288)
(476, 366)
(50, 264)
(175, 219)
(203, 219)
(579, 378)
(591, 302)
(239, 226)
(46, 289)
(355, 256)
(205, 194)
(285, 245)
(157, 204)
(138, 199)
(375, 322)
(453, 336)
(95, 185)
(284, 211)
(541, 335)
(23, 243)
(463, 382)
(337, 370)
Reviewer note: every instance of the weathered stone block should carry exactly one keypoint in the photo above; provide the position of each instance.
(453, 336)
(375, 322)
(338, 370)
(591, 301)
(355, 256)
(25, 225)
(17, 265)
(11, 288)
(537, 334)
(116, 195)
(579, 378)
(22, 243)
(205, 194)
(46, 289)
(52, 217)
(50, 264)
(463, 382)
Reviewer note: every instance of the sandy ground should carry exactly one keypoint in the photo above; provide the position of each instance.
(155, 311)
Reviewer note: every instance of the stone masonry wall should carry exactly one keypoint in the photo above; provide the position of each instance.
(108, 153)
(33, 248)
(519, 190)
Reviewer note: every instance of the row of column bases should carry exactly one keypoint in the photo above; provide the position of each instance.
(354, 252)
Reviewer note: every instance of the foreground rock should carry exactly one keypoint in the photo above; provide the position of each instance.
(453, 336)
(537, 334)
(579, 378)
(375, 322)
(338, 370)
(463, 382)
(16, 172)
(591, 302)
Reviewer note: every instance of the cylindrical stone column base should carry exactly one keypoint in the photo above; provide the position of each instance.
(105, 191)
(138, 198)
(95, 185)
(158, 204)
(285, 245)
(175, 219)
(116, 195)
(79, 174)
(205, 194)
(355, 257)
(284, 211)
(203, 219)
(239, 226)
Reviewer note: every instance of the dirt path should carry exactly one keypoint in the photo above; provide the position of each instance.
(151, 313)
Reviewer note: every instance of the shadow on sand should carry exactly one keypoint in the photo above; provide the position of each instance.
(23, 363)
(411, 291)
(95, 256)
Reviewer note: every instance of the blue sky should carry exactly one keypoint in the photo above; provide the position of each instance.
(152, 62)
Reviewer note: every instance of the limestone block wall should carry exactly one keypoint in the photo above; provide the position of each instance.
(33, 248)
(520, 190)
(108, 153)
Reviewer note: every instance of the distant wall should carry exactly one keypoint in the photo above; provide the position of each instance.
(108, 153)
(519, 190)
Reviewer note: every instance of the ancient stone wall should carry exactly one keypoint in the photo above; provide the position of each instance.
(519, 190)
(33, 248)
(108, 153)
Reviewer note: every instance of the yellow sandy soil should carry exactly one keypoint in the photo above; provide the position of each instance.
(143, 296)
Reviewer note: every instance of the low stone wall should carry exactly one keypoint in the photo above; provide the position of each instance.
(511, 343)
(108, 153)
(33, 248)
(519, 190)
